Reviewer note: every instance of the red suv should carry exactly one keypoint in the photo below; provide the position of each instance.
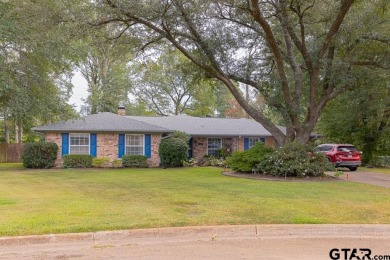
(341, 155)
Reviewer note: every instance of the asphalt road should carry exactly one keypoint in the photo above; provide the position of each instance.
(218, 242)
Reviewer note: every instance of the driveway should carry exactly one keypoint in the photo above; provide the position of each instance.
(377, 179)
(212, 242)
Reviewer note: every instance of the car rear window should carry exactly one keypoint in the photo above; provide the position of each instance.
(346, 148)
(323, 148)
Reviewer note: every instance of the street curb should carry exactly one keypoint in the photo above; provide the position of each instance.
(269, 231)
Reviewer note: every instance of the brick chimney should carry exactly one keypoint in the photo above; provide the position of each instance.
(121, 109)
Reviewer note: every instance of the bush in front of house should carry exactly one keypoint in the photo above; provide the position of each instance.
(173, 151)
(39, 155)
(181, 135)
(245, 161)
(294, 160)
(77, 161)
(100, 162)
(135, 161)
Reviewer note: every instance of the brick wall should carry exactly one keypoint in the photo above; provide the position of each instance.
(199, 147)
(56, 138)
(107, 146)
(154, 161)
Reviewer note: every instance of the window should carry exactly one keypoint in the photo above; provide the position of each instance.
(213, 144)
(135, 144)
(254, 140)
(78, 143)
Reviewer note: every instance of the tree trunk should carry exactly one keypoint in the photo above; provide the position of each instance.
(6, 126)
(20, 134)
(16, 132)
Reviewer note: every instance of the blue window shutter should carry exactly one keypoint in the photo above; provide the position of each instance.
(262, 139)
(121, 145)
(148, 145)
(246, 144)
(65, 143)
(190, 144)
(92, 144)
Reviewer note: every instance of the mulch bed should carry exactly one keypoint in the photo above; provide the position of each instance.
(275, 178)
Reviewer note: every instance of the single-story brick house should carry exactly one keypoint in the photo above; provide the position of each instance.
(113, 135)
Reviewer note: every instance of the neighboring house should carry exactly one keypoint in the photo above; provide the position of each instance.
(110, 135)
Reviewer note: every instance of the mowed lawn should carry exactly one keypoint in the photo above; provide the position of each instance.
(79, 200)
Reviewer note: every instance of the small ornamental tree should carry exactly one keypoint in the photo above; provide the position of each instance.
(39, 155)
(245, 161)
(173, 151)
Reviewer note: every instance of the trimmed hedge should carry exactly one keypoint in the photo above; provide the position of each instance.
(173, 151)
(77, 161)
(247, 160)
(39, 155)
(135, 161)
(100, 162)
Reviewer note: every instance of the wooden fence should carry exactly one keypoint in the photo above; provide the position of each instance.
(11, 153)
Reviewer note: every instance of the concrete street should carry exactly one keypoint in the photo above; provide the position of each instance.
(217, 242)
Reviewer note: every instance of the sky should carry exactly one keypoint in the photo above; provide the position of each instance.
(79, 91)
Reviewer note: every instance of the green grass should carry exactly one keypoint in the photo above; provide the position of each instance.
(74, 200)
(378, 170)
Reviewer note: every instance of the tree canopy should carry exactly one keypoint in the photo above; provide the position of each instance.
(298, 54)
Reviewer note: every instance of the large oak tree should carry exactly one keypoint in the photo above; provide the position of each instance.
(298, 54)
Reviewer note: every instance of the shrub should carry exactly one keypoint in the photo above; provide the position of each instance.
(39, 155)
(173, 151)
(135, 161)
(213, 161)
(294, 160)
(116, 163)
(181, 135)
(190, 162)
(222, 154)
(247, 160)
(77, 161)
(100, 162)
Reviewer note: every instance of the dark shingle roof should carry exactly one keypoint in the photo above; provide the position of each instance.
(208, 126)
(103, 122)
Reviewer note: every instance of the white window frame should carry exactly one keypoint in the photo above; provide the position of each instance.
(252, 142)
(143, 143)
(73, 145)
(208, 142)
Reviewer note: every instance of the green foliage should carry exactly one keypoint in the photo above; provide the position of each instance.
(190, 162)
(222, 153)
(294, 160)
(382, 161)
(361, 117)
(173, 151)
(173, 85)
(39, 155)
(77, 161)
(116, 163)
(100, 162)
(343, 36)
(135, 161)
(210, 160)
(181, 135)
(245, 161)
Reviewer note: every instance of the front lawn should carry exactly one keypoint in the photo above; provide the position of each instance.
(74, 200)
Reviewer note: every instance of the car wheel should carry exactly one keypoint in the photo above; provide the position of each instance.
(352, 169)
